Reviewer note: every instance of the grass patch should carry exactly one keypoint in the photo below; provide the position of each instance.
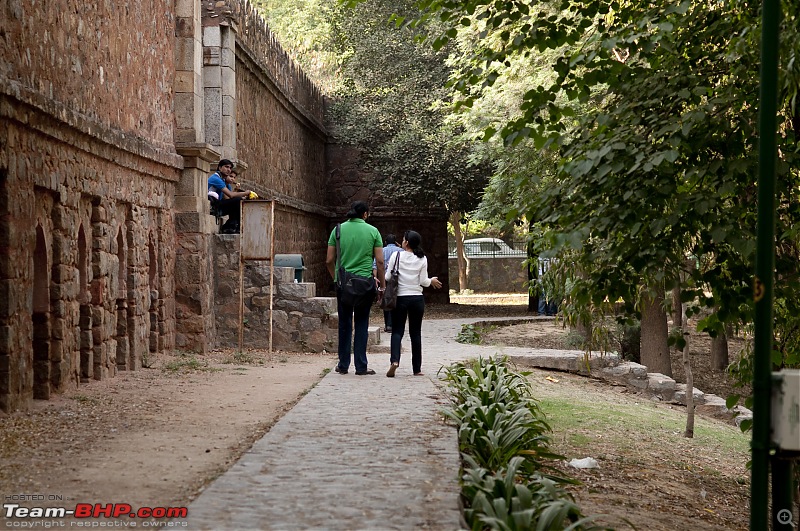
(624, 424)
(244, 358)
(473, 334)
(188, 363)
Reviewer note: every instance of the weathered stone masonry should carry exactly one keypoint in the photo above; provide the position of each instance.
(112, 115)
(86, 203)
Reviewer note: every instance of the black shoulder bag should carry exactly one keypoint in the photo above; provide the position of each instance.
(354, 290)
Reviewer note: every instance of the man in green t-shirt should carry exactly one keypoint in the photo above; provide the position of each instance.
(359, 244)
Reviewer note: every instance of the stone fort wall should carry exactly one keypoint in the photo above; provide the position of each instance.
(112, 115)
(87, 180)
(281, 135)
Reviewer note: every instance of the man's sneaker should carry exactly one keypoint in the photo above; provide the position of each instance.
(364, 373)
(340, 370)
(390, 372)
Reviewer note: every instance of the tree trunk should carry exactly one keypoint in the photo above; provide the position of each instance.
(677, 312)
(533, 274)
(455, 220)
(655, 350)
(533, 288)
(719, 352)
(687, 369)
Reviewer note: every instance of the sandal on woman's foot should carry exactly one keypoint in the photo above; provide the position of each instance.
(419, 373)
(390, 372)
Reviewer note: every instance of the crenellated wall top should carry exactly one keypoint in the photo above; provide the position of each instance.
(254, 33)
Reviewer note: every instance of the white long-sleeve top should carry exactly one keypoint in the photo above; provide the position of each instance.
(413, 273)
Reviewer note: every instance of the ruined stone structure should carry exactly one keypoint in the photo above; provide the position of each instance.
(113, 115)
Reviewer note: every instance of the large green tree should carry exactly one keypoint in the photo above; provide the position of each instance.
(666, 164)
(392, 105)
(388, 99)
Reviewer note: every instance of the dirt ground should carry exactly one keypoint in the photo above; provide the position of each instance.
(152, 437)
(157, 436)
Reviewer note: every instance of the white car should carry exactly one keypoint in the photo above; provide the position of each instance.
(488, 248)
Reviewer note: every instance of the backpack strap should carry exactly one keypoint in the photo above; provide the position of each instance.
(338, 256)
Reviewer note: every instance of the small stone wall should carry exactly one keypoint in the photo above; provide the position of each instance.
(492, 274)
(302, 322)
(87, 227)
(281, 136)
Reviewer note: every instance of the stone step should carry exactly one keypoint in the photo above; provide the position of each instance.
(373, 335)
(297, 290)
(383, 348)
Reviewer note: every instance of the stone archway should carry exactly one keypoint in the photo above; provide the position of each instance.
(152, 277)
(123, 343)
(41, 318)
(85, 324)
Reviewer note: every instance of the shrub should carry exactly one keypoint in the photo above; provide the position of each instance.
(504, 440)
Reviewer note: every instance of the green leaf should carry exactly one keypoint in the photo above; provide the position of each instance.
(732, 400)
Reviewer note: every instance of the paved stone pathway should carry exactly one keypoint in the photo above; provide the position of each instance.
(356, 453)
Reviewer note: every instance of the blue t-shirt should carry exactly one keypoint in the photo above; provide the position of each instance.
(216, 183)
(388, 251)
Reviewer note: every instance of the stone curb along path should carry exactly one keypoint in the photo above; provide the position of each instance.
(610, 368)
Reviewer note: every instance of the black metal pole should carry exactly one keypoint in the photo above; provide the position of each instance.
(765, 265)
(782, 490)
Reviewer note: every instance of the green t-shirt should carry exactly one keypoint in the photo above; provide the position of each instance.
(357, 242)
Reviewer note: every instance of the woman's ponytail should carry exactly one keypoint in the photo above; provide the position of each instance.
(414, 241)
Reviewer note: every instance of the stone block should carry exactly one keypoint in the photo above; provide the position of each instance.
(619, 370)
(9, 303)
(184, 54)
(228, 130)
(317, 341)
(297, 291)
(212, 77)
(97, 291)
(63, 274)
(227, 58)
(284, 275)
(187, 133)
(260, 301)
(184, 81)
(714, 406)
(320, 306)
(185, 8)
(373, 335)
(213, 115)
(228, 105)
(660, 383)
(309, 324)
(185, 109)
(6, 341)
(280, 319)
(680, 394)
(333, 321)
(212, 36)
(184, 27)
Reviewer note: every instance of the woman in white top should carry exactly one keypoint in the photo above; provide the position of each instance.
(412, 277)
